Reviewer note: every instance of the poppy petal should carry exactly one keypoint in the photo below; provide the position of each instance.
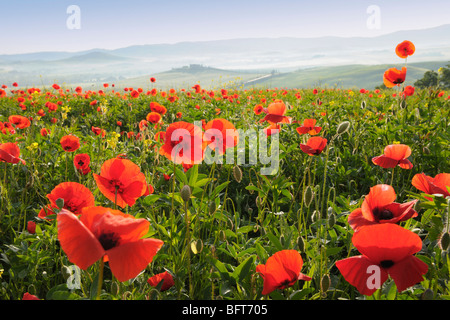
(128, 260)
(77, 241)
(408, 272)
(355, 271)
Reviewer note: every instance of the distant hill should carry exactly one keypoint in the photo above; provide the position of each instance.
(333, 61)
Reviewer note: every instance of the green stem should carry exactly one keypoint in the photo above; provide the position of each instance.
(100, 278)
(188, 249)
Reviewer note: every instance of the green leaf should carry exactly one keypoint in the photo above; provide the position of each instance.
(243, 269)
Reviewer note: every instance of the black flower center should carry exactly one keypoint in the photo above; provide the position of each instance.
(386, 264)
(109, 240)
(383, 214)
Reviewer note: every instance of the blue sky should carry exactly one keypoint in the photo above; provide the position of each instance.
(40, 25)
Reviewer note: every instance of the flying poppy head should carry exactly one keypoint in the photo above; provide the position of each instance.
(405, 49)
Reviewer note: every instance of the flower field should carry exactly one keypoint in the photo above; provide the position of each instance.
(225, 194)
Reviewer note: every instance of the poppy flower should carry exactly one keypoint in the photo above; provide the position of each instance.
(379, 207)
(258, 109)
(276, 113)
(121, 181)
(75, 195)
(281, 270)
(309, 126)
(314, 146)
(393, 77)
(81, 162)
(408, 91)
(19, 121)
(153, 117)
(28, 296)
(405, 49)
(440, 184)
(70, 143)
(394, 155)
(98, 131)
(152, 79)
(103, 233)
(220, 135)
(44, 132)
(388, 248)
(10, 152)
(31, 227)
(156, 107)
(165, 277)
(183, 143)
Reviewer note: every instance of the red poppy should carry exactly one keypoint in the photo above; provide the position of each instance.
(44, 132)
(152, 79)
(121, 181)
(408, 91)
(81, 162)
(394, 155)
(314, 146)
(276, 113)
(281, 270)
(309, 126)
(28, 296)
(379, 207)
(156, 107)
(393, 77)
(258, 109)
(165, 277)
(388, 248)
(98, 131)
(405, 49)
(183, 143)
(109, 234)
(75, 195)
(440, 184)
(70, 143)
(20, 122)
(153, 117)
(31, 227)
(221, 135)
(10, 152)
(56, 87)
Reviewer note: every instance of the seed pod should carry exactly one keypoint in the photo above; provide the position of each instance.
(197, 246)
(237, 173)
(363, 105)
(185, 193)
(343, 127)
(308, 196)
(315, 216)
(445, 241)
(426, 150)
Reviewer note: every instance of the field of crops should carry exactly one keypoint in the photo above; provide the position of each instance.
(227, 194)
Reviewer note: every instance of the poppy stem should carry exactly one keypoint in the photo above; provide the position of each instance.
(188, 249)
(392, 177)
(100, 278)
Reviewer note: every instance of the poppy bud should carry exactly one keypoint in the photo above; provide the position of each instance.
(363, 105)
(445, 241)
(237, 173)
(426, 150)
(185, 193)
(343, 127)
(60, 203)
(197, 246)
(31, 227)
(212, 207)
(325, 283)
(427, 295)
(315, 216)
(308, 196)
(301, 244)
(222, 235)
(66, 273)
(331, 220)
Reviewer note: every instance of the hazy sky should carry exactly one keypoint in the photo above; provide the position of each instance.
(41, 25)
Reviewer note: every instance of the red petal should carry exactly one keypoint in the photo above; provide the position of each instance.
(379, 196)
(355, 272)
(77, 241)
(408, 272)
(128, 260)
